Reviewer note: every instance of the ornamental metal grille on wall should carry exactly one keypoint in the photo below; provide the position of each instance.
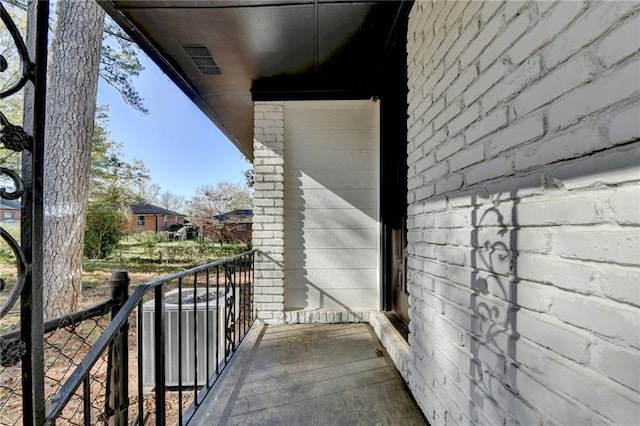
(25, 291)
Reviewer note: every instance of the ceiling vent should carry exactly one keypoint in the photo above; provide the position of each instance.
(201, 56)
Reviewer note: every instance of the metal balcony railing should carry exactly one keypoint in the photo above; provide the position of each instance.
(64, 339)
(95, 363)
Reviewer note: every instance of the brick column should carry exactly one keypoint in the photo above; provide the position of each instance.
(268, 210)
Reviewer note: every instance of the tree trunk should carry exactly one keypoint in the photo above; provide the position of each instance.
(71, 102)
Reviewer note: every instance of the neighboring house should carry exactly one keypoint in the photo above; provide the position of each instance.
(471, 168)
(235, 225)
(147, 217)
(9, 210)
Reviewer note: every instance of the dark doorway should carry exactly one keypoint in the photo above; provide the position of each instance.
(393, 180)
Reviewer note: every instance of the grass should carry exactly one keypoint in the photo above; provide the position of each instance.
(146, 248)
(143, 257)
(144, 260)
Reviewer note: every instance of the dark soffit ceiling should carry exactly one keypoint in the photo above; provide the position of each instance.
(263, 50)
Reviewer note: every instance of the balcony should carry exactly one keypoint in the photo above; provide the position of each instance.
(101, 365)
(312, 374)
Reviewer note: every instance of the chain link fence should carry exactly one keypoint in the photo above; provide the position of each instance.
(89, 354)
(66, 341)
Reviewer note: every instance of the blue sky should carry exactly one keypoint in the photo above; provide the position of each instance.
(179, 145)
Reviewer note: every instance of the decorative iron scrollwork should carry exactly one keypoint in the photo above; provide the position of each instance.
(14, 137)
(11, 352)
(17, 182)
(27, 65)
(22, 270)
(230, 314)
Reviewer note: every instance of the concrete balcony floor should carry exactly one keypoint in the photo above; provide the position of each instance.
(310, 374)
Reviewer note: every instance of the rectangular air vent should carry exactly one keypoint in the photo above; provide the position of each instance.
(202, 58)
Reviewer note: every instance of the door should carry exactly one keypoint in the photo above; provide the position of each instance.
(399, 291)
(393, 185)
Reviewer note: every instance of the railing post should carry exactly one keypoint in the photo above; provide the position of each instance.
(117, 403)
(159, 351)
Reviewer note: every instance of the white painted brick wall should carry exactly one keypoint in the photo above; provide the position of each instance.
(524, 211)
(268, 210)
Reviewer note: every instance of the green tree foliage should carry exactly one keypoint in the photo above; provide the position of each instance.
(105, 224)
(119, 63)
(112, 187)
(111, 176)
(148, 240)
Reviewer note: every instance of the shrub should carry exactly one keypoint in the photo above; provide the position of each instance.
(148, 240)
(103, 231)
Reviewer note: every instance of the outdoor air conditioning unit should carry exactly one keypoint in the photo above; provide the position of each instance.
(216, 308)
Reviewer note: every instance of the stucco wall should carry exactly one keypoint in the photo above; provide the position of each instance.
(524, 214)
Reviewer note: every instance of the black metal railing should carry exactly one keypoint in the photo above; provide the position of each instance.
(175, 344)
(30, 66)
(65, 340)
(98, 370)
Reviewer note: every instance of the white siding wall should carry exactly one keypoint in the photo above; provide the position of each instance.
(331, 205)
(524, 211)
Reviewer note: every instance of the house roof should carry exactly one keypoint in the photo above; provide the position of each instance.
(146, 208)
(225, 54)
(236, 216)
(9, 204)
